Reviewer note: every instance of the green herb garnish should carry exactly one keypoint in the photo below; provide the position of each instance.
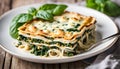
(106, 6)
(32, 11)
(18, 21)
(48, 11)
(59, 9)
(45, 12)
(44, 15)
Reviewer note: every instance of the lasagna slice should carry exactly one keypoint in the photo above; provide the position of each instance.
(69, 34)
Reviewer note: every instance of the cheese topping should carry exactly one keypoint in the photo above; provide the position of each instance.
(69, 34)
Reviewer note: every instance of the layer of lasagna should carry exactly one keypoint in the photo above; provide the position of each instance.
(69, 34)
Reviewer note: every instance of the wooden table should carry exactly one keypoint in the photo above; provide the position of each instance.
(8, 61)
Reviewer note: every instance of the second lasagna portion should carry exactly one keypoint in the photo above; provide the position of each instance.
(69, 34)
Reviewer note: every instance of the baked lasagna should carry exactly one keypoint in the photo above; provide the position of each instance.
(69, 34)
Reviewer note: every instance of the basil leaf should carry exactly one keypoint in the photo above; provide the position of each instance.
(14, 26)
(112, 9)
(25, 17)
(44, 15)
(14, 30)
(32, 11)
(53, 8)
(47, 7)
(45, 12)
(100, 4)
(59, 9)
(18, 21)
(91, 4)
(100, 1)
(106, 6)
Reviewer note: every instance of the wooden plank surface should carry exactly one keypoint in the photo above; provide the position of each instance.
(2, 57)
(10, 62)
(4, 7)
(21, 64)
(67, 1)
(79, 0)
(18, 3)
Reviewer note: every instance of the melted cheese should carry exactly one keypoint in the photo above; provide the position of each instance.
(68, 28)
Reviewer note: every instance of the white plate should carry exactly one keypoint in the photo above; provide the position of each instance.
(105, 27)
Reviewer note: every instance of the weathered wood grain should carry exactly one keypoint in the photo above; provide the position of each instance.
(18, 3)
(22, 64)
(56, 66)
(79, 0)
(51, 66)
(64, 65)
(71, 65)
(48, 66)
(7, 62)
(80, 65)
(2, 57)
(67, 1)
(4, 7)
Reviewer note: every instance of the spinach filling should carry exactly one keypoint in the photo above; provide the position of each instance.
(42, 51)
(34, 40)
(73, 30)
(69, 53)
(77, 25)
